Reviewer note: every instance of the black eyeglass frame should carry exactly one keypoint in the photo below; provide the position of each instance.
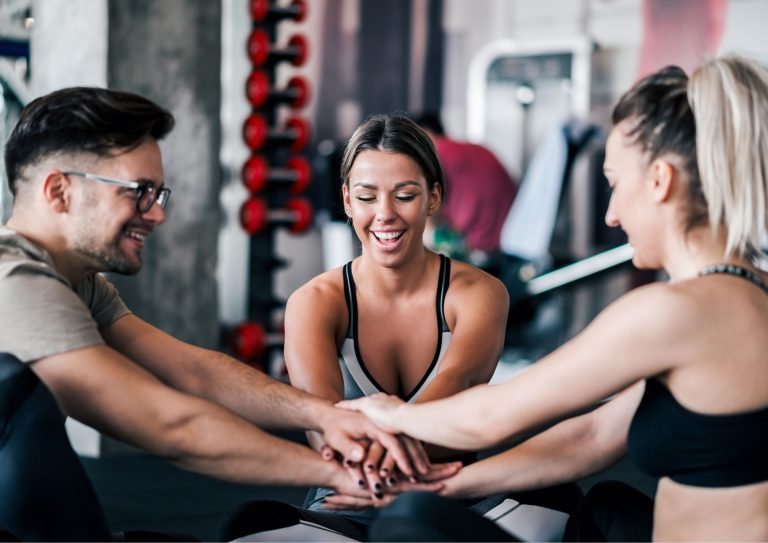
(146, 193)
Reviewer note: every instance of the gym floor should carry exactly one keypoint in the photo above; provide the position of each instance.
(141, 492)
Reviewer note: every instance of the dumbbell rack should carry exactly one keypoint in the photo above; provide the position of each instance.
(275, 174)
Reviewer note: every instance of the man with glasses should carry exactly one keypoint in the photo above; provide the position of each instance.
(85, 169)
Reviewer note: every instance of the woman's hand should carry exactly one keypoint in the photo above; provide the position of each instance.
(379, 469)
(429, 482)
(380, 408)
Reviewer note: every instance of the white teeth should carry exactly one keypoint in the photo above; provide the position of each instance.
(135, 235)
(388, 235)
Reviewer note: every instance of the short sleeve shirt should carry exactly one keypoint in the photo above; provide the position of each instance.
(41, 314)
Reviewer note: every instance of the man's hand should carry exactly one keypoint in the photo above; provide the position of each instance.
(348, 433)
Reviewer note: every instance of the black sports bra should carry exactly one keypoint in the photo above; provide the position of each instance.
(667, 439)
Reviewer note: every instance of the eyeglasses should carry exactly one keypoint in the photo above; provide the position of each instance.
(146, 193)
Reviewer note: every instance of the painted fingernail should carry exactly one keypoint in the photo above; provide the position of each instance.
(369, 468)
(361, 483)
(377, 487)
(348, 463)
(391, 481)
(378, 495)
(384, 471)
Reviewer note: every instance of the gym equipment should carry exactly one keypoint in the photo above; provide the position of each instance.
(296, 173)
(250, 340)
(261, 51)
(527, 287)
(255, 215)
(582, 270)
(259, 91)
(265, 10)
(257, 133)
(274, 169)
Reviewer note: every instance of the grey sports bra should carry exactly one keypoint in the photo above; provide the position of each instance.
(358, 381)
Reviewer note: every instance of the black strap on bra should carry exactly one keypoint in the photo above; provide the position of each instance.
(732, 269)
(443, 281)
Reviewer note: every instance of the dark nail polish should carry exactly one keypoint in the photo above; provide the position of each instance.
(369, 468)
(348, 463)
(378, 495)
(384, 471)
(377, 487)
(361, 483)
(391, 481)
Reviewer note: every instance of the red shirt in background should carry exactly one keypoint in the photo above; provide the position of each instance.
(479, 192)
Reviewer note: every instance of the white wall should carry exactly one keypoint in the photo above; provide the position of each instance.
(745, 31)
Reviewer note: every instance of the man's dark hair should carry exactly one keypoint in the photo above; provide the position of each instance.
(430, 120)
(82, 120)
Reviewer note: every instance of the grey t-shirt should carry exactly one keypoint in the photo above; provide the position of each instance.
(41, 314)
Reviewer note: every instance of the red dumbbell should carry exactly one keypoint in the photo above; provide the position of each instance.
(265, 10)
(250, 340)
(255, 215)
(257, 133)
(296, 172)
(259, 91)
(261, 50)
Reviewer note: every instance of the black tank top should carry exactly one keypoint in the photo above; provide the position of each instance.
(667, 439)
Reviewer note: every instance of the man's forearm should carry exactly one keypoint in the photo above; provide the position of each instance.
(214, 376)
(266, 402)
(259, 459)
(207, 438)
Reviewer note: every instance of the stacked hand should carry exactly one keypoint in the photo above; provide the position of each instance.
(378, 465)
(379, 408)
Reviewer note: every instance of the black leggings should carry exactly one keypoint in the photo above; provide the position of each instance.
(614, 511)
(422, 516)
(421, 509)
(611, 511)
(45, 494)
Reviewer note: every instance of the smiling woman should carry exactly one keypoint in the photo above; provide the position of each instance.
(399, 319)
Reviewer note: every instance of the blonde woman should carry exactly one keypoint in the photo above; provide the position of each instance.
(687, 161)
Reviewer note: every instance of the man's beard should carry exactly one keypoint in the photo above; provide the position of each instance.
(109, 260)
(100, 255)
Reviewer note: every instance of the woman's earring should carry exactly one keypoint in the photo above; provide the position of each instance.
(348, 212)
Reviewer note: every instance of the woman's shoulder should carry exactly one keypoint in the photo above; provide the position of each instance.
(468, 281)
(469, 276)
(674, 310)
(326, 288)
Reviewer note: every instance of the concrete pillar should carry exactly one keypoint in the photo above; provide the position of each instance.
(170, 51)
